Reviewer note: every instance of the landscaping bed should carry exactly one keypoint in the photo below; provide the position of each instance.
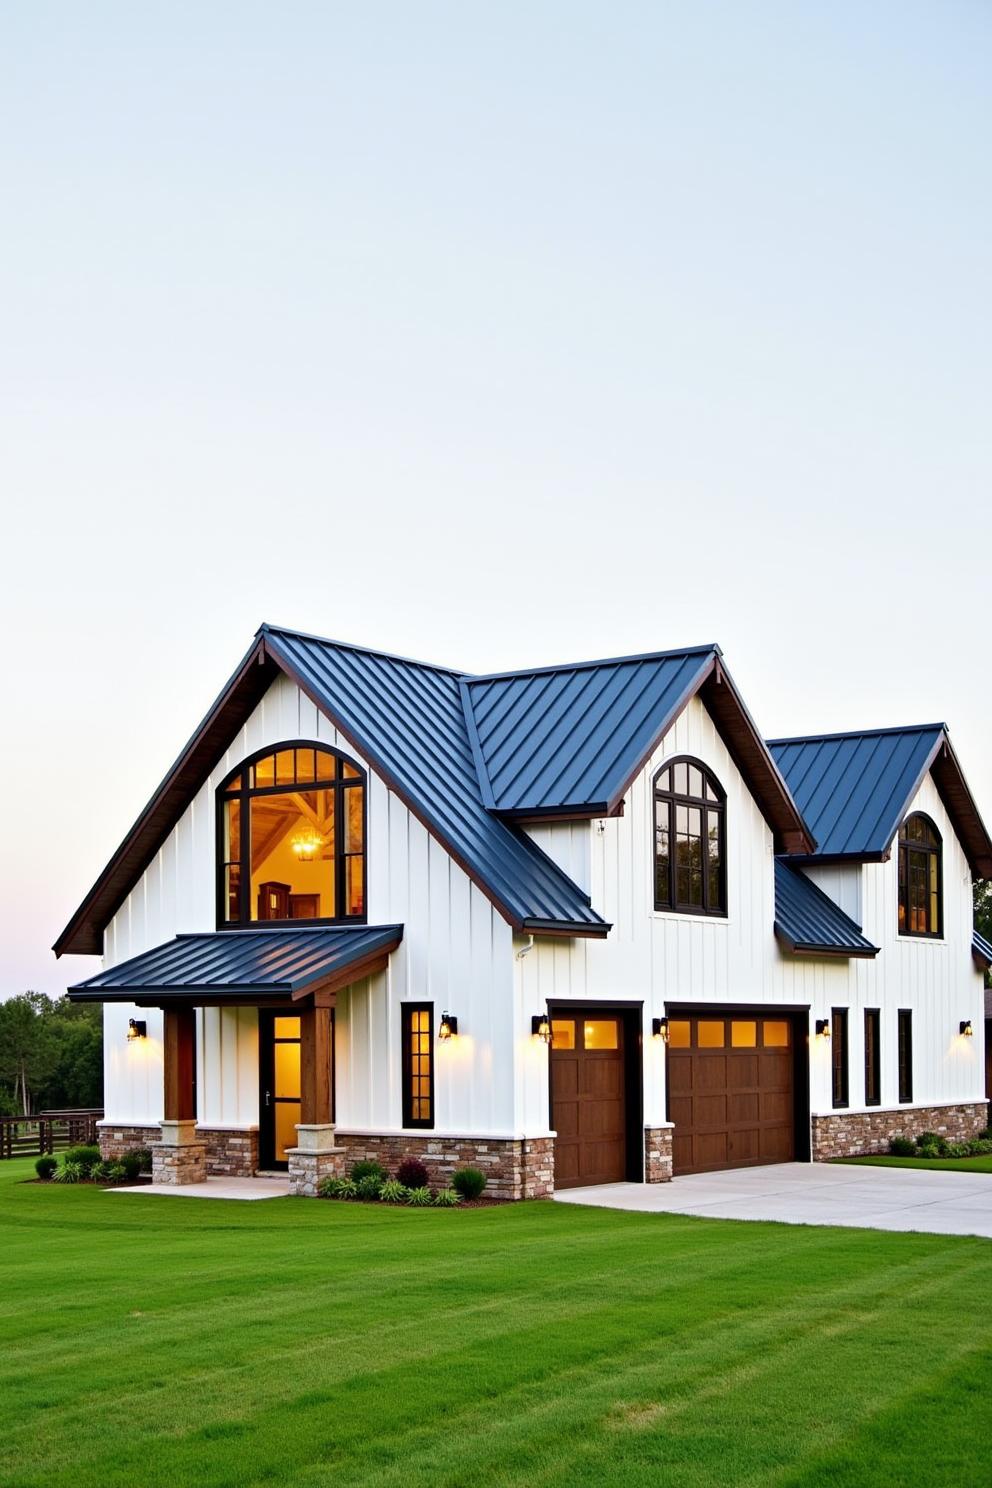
(85, 1165)
(370, 1183)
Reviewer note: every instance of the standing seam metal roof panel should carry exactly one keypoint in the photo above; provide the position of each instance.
(810, 921)
(407, 719)
(571, 737)
(853, 788)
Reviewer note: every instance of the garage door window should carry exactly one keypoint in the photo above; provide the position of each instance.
(710, 1035)
(601, 1033)
(562, 1033)
(743, 1035)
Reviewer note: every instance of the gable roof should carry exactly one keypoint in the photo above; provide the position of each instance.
(568, 740)
(236, 964)
(855, 789)
(406, 719)
(981, 950)
(808, 922)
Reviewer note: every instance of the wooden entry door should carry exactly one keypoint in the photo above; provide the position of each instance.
(731, 1090)
(588, 1099)
(279, 1091)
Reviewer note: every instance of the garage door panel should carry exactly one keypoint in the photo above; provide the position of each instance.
(566, 1078)
(602, 1079)
(588, 1101)
(601, 1118)
(733, 1106)
(567, 1118)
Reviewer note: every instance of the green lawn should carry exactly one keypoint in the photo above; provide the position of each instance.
(160, 1341)
(942, 1164)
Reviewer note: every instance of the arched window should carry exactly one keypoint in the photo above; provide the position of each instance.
(291, 838)
(920, 878)
(690, 839)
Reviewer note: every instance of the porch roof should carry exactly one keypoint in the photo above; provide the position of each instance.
(231, 966)
(808, 923)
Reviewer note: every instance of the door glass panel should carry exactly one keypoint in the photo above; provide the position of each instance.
(287, 1071)
(743, 1035)
(287, 1115)
(710, 1035)
(775, 1033)
(678, 1033)
(287, 1028)
(562, 1033)
(602, 1033)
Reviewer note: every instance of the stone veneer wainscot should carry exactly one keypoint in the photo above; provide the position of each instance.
(514, 1168)
(861, 1133)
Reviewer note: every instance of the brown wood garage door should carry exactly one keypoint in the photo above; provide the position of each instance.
(730, 1091)
(587, 1098)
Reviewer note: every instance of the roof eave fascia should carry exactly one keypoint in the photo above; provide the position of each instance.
(590, 930)
(833, 953)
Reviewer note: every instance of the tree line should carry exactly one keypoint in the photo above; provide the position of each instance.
(51, 1054)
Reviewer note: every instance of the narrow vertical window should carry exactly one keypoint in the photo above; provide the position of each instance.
(873, 1061)
(838, 1053)
(920, 877)
(905, 1055)
(690, 849)
(418, 1064)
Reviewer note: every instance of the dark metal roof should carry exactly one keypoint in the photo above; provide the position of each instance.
(808, 921)
(242, 963)
(570, 738)
(981, 950)
(407, 720)
(855, 789)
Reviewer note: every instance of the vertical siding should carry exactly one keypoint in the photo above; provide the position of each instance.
(455, 952)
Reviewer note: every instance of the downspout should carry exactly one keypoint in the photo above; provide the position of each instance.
(524, 950)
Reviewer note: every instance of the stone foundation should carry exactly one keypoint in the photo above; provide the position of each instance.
(514, 1169)
(186, 1163)
(230, 1153)
(658, 1154)
(860, 1133)
(307, 1170)
(115, 1139)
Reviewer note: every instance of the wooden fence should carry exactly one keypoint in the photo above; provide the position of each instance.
(49, 1131)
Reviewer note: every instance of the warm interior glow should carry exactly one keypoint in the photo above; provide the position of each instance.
(743, 1035)
(562, 1033)
(286, 1083)
(710, 1034)
(601, 1033)
(775, 1033)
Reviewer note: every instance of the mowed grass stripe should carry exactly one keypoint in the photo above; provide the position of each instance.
(308, 1343)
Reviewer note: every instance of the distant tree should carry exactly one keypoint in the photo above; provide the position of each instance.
(25, 1053)
(51, 1054)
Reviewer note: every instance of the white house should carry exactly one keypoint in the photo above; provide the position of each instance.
(573, 925)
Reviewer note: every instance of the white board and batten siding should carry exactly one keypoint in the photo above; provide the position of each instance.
(456, 953)
(658, 957)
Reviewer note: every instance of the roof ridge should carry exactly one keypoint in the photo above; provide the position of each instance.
(305, 635)
(600, 661)
(868, 733)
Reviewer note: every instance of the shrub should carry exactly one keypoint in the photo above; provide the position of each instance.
(957, 1149)
(337, 1188)
(446, 1198)
(412, 1173)
(420, 1198)
(392, 1192)
(368, 1187)
(985, 1135)
(133, 1162)
(368, 1168)
(468, 1182)
(86, 1157)
(45, 1167)
(902, 1147)
(69, 1172)
(981, 1145)
(144, 1154)
(928, 1150)
(928, 1139)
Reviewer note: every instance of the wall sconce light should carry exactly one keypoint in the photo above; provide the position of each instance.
(136, 1028)
(966, 1029)
(540, 1027)
(823, 1028)
(448, 1026)
(659, 1028)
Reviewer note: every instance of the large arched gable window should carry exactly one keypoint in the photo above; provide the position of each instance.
(690, 839)
(291, 837)
(921, 892)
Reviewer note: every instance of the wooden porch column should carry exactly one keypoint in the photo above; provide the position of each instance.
(315, 1066)
(180, 1055)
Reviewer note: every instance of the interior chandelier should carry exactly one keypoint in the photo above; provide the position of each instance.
(306, 844)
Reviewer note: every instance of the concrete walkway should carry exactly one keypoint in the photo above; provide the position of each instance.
(217, 1188)
(870, 1198)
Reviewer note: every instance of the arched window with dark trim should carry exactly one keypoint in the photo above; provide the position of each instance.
(921, 892)
(690, 839)
(291, 838)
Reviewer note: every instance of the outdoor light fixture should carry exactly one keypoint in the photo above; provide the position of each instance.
(448, 1026)
(823, 1028)
(659, 1028)
(540, 1027)
(136, 1029)
(966, 1029)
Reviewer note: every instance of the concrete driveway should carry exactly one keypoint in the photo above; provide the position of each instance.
(814, 1193)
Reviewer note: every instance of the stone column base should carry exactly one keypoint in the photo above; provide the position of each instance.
(658, 1153)
(860, 1133)
(116, 1138)
(307, 1170)
(185, 1162)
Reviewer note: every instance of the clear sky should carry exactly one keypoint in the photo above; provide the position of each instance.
(492, 334)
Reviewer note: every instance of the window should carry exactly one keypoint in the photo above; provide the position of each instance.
(920, 879)
(838, 1054)
(418, 1064)
(905, 1055)
(690, 850)
(291, 838)
(873, 1061)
